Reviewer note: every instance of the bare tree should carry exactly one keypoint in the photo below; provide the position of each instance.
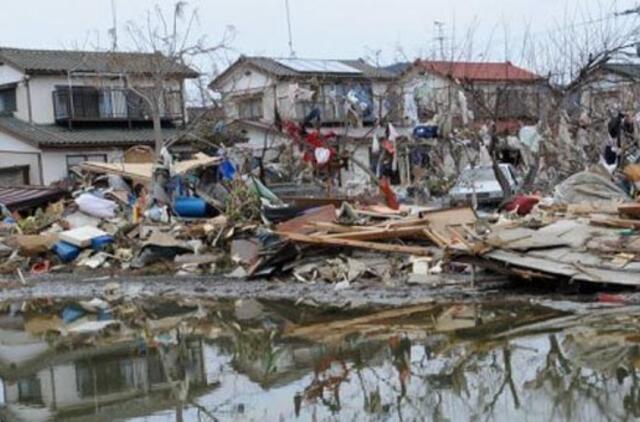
(172, 49)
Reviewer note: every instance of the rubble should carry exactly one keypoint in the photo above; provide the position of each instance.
(213, 215)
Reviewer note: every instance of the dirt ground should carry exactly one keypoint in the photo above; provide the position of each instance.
(319, 294)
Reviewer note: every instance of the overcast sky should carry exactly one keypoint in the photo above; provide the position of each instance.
(321, 28)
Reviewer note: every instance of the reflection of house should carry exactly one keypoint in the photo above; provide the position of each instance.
(486, 90)
(88, 383)
(59, 108)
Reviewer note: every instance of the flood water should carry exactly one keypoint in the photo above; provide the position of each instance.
(248, 361)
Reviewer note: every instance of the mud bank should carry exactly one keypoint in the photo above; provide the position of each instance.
(319, 294)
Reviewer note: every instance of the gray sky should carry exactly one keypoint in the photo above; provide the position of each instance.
(322, 28)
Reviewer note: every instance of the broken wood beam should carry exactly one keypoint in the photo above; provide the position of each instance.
(359, 244)
(338, 228)
(616, 222)
(380, 234)
(630, 209)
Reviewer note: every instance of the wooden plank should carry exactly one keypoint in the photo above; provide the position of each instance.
(435, 239)
(338, 228)
(381, 234)
(359, 244)
(301, 224)
(378, 215)
(616, 222)
(630, 210)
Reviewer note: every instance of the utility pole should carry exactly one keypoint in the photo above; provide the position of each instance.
(292, 52)
(114, 29)
(439, 38)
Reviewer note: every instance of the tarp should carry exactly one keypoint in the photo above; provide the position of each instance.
(588, 187)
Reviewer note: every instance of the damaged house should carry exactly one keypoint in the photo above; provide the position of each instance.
(470, 92)
(61, 108)
(614, 86)
(345, 97)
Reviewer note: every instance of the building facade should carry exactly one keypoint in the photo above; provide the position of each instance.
(60, 108)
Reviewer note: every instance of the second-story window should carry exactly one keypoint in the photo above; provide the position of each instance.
(7, 100)
(250, 108)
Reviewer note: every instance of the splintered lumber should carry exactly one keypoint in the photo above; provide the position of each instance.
(616, 222)
(143, 171)
(380, 234)
(359, 244)
(630, 210)
(338, 228)
(436, 239)
(301, 224)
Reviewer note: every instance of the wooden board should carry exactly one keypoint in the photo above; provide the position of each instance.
(359, 244)
(380, 234)
(301, 224)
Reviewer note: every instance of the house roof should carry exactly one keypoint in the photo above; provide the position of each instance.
(477, 71)
(18, 198)
(53, 136)
(290, 68)
(62, 61)
(398, 68)
(628, 70)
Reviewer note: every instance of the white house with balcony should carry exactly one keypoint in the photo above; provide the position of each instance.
(254, 90)
(60, 108)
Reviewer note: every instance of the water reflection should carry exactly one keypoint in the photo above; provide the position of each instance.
(261, 361)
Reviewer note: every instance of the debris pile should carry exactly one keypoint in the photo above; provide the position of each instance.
(207, 215)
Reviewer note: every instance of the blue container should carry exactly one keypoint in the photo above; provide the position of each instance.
(98, 243)
(186, 206)
(66, 251)
(72, 313)
(425, 132)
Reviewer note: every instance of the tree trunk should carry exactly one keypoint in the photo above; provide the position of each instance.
(500, 177)
(157, 134)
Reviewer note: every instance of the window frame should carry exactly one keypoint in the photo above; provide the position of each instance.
(84, 157)
(13, 100)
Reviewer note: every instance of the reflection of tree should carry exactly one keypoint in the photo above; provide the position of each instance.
(329, 374)
(506, 380)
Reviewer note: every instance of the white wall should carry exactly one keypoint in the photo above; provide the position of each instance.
(10, 75)
(54, 162)
(15, 152)
(246, 80)
(42, 88)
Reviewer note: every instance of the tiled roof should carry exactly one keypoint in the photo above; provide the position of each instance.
(478, 71)
(398, 68)
(53, 136)
(18, 198)
(272, 66)
(60, 61)
(629, 70)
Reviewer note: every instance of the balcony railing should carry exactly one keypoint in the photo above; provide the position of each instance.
(110, 104)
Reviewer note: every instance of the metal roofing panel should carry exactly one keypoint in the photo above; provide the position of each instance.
(318, 66)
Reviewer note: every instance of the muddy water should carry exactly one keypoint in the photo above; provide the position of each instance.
(206, 361)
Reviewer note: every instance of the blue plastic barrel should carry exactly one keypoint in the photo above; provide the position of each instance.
(66, 251)
(98, 243)
(187, 206)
